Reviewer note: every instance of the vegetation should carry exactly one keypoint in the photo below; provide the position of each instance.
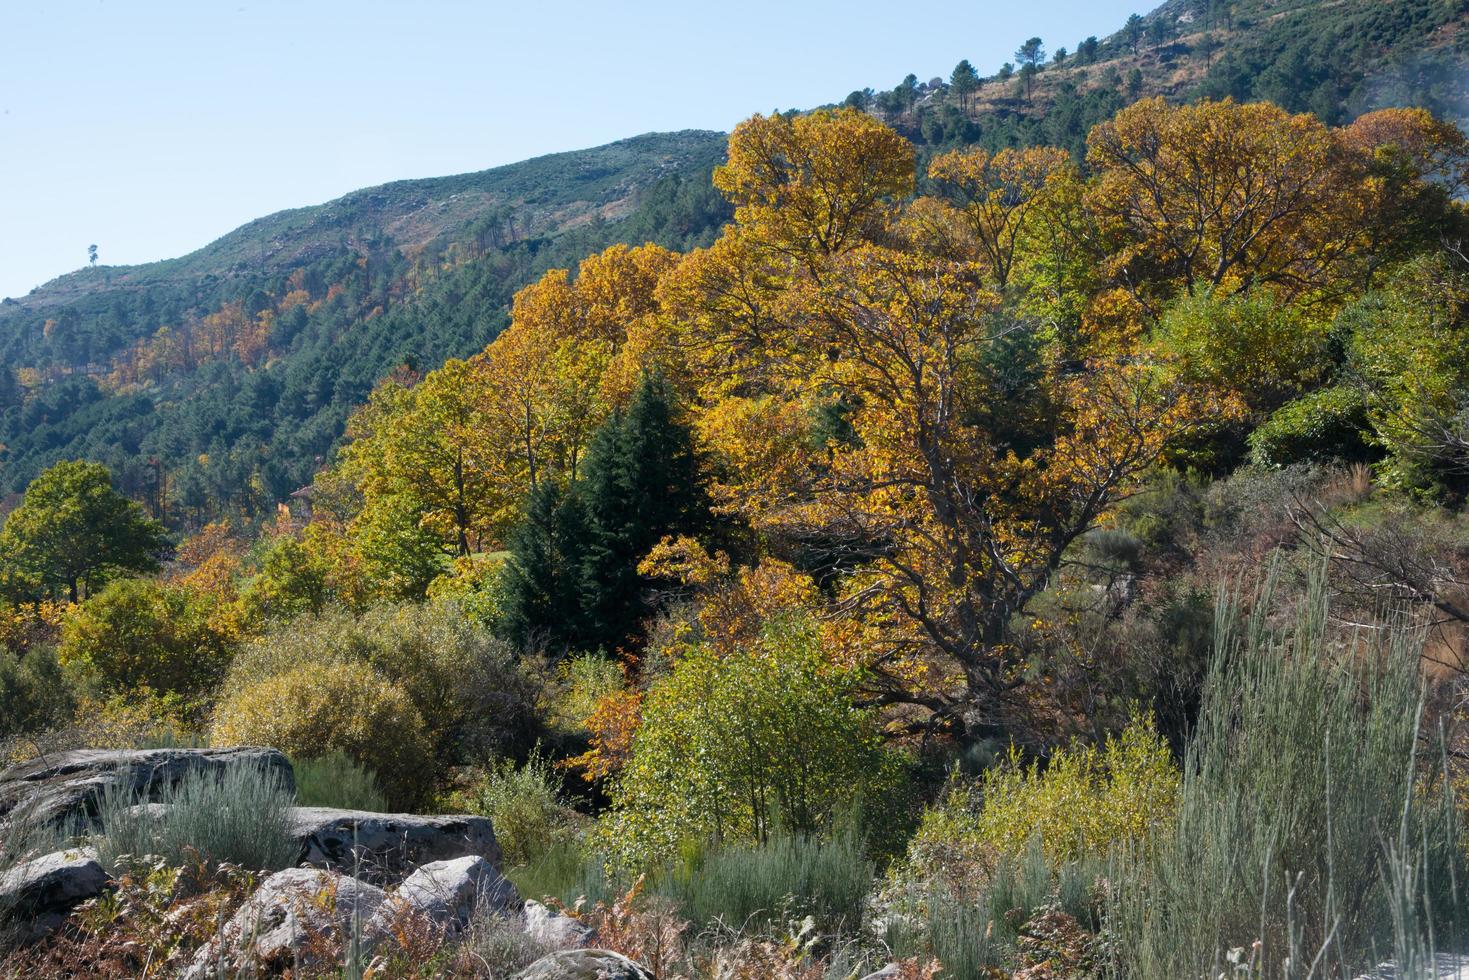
(237, 816)
(862, 566)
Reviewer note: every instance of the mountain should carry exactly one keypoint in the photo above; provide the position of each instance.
(217, 382)
(1336, 58)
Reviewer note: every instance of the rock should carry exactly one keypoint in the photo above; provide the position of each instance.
(295, 918)
(554, 930)
(451, 892)
(380, 846)
(64, 789)
(886, 973)
(39, 894)
(585, 964)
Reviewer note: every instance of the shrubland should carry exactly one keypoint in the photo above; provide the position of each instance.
(1004, 562)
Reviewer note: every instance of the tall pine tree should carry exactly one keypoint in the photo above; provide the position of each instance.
(641, 482)
(542, 601)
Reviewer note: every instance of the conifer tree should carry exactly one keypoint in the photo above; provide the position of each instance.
(542, 600)
(641, 482)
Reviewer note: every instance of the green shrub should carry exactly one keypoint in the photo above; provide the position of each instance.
(974, 933)
(343, 707)
(139, 633)
(788, 877)
(1302, 822)
(1252, 345)
(732, 747)
(239, 816)
(1329, 424)
(335, 779)
(472, 695)
(1086, 802)
(525, 804)
(36, 695)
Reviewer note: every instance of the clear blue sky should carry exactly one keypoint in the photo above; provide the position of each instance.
(151, 127)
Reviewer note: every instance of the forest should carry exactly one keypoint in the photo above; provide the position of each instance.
(986, 562)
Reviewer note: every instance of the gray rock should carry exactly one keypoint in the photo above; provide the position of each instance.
(296, 918)
(64, 789)
(886, 973)
(381, 846)
(37, 895)
(450, 893)
(585, 964)
(554, 930)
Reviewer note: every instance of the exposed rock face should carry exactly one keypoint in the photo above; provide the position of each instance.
(383, 845)
(555, 931)
(39, 894)
(295, 918)
(451, 892)
(64, 788)
(585, 964)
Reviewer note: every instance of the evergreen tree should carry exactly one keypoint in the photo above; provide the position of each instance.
(964, 81)
(641, 482)
(542, 599)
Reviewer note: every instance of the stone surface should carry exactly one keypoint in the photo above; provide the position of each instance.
(39, 894)
(64, 788)
(886, 973)
(554, 930)
(585, 964)
(381, 846)
(296, 917)
(451, 892)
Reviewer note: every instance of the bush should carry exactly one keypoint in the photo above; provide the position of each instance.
(788, 877)
(1304, 824)
(344, 707)
(466, 686)
(525, 804)
(976, 933)
(35, 694)
(1330, 424)
(1086, 802)
(238, 816)
(732, 747)
(335, 779)
(1251, 345)
(138, 633)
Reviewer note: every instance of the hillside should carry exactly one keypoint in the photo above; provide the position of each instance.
(218, 381)
(538, 198)
(1336, 58)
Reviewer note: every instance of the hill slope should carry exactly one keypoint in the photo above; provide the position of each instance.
(1336, 58)
(217, 381)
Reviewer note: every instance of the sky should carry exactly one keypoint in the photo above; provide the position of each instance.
(152, 127)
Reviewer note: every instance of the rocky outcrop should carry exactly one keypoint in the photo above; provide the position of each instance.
(585, 964)
(555, 931)
(382, 846)
(36, 896)
(296, 918)
(64, 789)
(450, 893)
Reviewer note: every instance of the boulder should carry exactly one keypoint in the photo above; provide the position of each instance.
(889, 972)
(554, 930)
(585, 964)
(296, 918)
(450, 893)
(381, 846)
(64, 789)
(37, 895)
